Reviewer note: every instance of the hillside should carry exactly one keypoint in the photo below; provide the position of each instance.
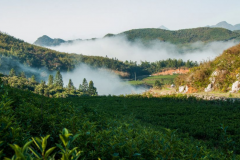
(38, 57)
(111, 127)
(238, 31)
(219, 74)
(181, 36)
(47, 41)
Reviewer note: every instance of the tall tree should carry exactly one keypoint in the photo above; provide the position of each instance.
(91, 89)
(58, 79)
(33, 78)
(85, 85)
(12, 73)
(50, 80)
(22, 74)
(70, 84)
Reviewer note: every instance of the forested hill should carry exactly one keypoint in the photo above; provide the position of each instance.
(47, 41)
(38, 57)
(184, 36)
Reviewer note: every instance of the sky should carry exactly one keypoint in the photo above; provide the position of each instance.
(73, 19)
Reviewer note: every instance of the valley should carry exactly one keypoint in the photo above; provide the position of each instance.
(135, 92)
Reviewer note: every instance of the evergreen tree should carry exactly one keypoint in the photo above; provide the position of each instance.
(80, 88)
(50, 80)
(33, 78)
(22, 74)
(58, 79)
(12, 73)
(84, 85)
(91, 89)
(70, 84)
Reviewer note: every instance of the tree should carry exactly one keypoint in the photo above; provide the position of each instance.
(12, 73)
(91, 89)
(33, 78)
(84, 85)
(22, 74)
(70, 84)
(58, 79)
(157, 84)
(50, 80)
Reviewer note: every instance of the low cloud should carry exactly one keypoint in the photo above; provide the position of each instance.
(106, 82)
(122, 49)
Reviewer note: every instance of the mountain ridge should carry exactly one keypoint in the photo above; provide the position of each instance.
(224, 24)
(183, 36)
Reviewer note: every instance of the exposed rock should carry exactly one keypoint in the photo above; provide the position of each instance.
(235, 87)
(181, 89)
(172, 85)
(186, 89)
(209, 88)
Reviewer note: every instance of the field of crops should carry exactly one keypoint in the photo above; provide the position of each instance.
(199, 119)
(116, 127)
(150, 80)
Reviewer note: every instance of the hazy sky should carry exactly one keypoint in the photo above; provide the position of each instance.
(72, 19)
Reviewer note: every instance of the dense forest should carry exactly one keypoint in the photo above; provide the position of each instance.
(39, 57)
(183, 36)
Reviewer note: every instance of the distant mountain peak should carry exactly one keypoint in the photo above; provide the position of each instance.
(163, 27)
(226, 25)
(47, 41)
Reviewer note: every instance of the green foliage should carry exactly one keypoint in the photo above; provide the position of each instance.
(70, 84)
(117, 127)
(37, 57)
(50, 80)
(12, 72)
(22, 74)
(58, 79)
(225, 66)
(183, 36)
(157, 84)
(46, 90)
(91, 89)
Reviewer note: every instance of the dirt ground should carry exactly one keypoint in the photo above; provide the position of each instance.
(169, 91)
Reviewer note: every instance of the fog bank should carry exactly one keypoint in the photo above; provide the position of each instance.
(122, 49)
(106, 82)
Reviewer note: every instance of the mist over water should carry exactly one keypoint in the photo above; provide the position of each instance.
(122, 49)
(106, 82)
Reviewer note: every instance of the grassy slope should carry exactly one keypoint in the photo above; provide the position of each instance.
(228, 64)
(166, 79)
(181, 36)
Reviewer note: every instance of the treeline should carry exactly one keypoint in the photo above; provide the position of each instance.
(183, 36)
(39, 57)
(54, 87)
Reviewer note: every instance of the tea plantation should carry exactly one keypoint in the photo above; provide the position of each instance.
(116, 127)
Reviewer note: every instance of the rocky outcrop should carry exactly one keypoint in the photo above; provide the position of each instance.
(235, 87)
(209, 88)
(183, 89)
(212, 79)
